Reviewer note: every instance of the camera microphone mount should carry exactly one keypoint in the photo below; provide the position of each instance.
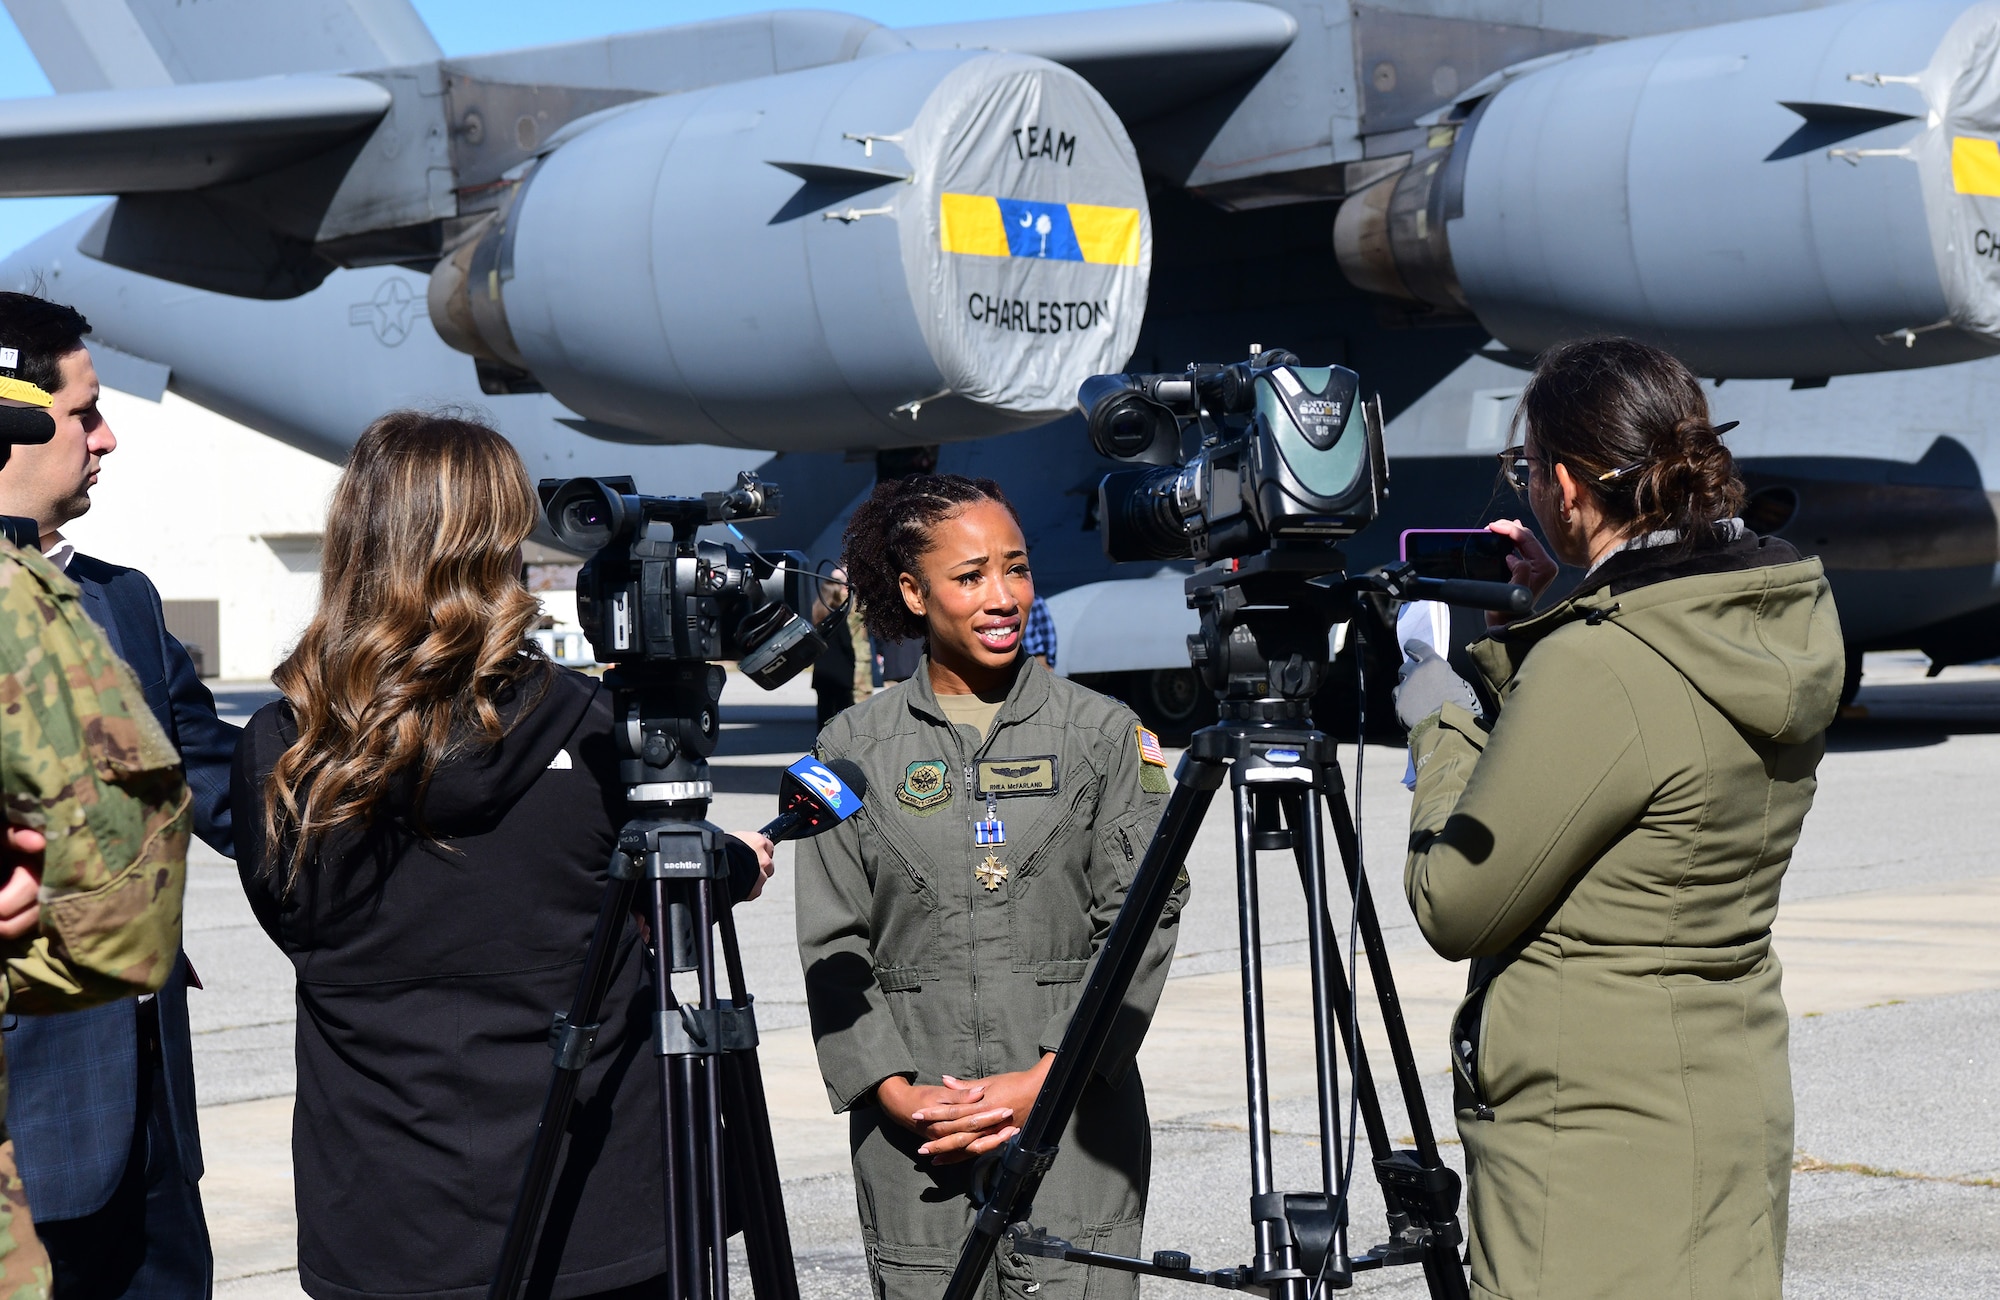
(1263, 650)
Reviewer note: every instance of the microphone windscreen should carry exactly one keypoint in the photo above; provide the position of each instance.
(850, 776)
(26, 426)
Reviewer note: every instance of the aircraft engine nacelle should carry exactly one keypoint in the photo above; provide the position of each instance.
(906, 249)
(1798, 196)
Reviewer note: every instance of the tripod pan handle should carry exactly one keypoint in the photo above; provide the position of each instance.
(1503, 597)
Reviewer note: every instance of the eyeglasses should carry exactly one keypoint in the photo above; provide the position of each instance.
(1516, 466)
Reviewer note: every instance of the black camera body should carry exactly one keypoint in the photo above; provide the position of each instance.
(653, 592)
(1287, 453)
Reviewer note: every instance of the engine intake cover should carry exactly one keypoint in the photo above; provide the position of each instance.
(1803, 195)
(912, 248)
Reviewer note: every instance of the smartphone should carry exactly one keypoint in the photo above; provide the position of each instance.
(1458, 553)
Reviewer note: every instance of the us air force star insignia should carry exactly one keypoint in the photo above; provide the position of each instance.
(390, 313)
(926, 785)
(991, 872)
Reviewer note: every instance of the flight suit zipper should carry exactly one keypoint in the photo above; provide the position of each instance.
(972, 894)
(971, 915)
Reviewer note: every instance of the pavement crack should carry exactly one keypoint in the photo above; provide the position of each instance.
(286, 1023)
(1809, 1164)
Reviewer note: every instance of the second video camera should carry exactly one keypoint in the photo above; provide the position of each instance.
(651, 591)
(1285, 452)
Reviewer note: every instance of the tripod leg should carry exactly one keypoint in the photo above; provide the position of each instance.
(1385, 984)
(767, 1238)
(1442, 1269)
(1340, 1001)
(708, 1071)
(599, 964)
(1026, 1159)
(1309, 848)
(674, 1190)
(1274, 1241)
(687, 1176)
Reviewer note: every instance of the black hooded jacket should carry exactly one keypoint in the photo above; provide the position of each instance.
(428, 972)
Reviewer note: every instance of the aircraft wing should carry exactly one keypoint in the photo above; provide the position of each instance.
(1143, 58)
(177, 137)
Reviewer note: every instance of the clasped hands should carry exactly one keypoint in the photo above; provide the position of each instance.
(963, 1118)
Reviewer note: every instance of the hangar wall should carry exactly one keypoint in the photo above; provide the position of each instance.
(212, 511)
(216, 512)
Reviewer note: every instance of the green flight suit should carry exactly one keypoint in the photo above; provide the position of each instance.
(915, 967)
(83, 760)
(1610, 853)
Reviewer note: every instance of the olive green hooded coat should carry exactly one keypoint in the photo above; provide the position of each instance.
(1610, 854)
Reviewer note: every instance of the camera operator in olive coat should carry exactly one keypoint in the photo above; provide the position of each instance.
(1608, 848)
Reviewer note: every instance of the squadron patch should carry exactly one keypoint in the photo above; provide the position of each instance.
(1152, 763)
(926, 785)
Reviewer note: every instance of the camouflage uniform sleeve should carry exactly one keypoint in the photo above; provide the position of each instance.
(83, 760)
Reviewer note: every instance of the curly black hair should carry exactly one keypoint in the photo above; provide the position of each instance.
(890, 534)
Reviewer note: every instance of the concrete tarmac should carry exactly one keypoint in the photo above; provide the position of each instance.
(1890, 936)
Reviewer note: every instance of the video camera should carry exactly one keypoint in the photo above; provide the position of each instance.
(652, 592)
(1287, 452)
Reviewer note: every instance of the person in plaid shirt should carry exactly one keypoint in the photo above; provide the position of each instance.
(1039, 638)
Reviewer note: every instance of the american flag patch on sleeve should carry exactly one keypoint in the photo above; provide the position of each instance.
(1149, 748)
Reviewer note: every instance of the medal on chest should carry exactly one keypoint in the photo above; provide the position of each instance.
(990, 832)
(998, 778)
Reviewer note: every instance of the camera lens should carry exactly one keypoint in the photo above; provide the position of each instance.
(1139, 516)
(1129, 429)
(1126, 424)
(585, 514)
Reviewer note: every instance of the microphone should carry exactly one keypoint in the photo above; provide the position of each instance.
(26, 426)
(815, 797)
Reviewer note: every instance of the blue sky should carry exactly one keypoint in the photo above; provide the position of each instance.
(476, 26)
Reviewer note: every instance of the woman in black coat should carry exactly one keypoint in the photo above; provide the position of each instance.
(425, 820)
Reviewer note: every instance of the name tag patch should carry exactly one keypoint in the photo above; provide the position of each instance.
(1003, 778)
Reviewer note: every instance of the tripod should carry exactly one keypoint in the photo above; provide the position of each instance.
(1263, 648)
(716, 1154)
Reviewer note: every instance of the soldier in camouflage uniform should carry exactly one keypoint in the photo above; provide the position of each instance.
(84, 763)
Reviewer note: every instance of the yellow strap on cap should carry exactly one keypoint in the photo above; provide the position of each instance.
(20, 390)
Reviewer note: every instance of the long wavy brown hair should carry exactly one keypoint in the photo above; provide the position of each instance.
(423, 621)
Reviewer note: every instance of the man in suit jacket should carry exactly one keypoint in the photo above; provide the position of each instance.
(102, 1105)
